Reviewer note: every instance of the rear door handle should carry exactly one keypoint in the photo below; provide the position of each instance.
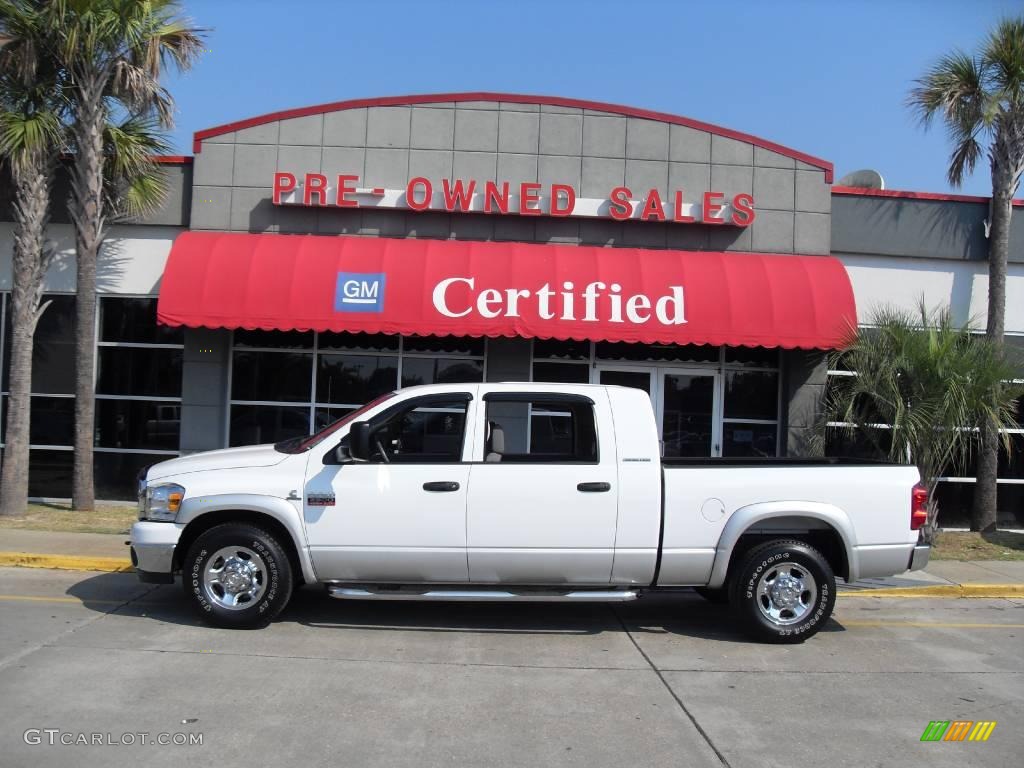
(441, 486)
(594, 487)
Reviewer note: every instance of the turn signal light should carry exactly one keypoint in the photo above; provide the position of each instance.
(918, 507)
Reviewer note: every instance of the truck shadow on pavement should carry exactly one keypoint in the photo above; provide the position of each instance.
(684, 613)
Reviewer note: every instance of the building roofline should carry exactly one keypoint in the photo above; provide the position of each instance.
(514, 98)
(908, 195)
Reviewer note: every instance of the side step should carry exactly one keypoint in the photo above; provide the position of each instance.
(484, 595)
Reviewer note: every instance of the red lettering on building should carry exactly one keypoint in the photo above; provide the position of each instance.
(621, 208)
(427, 190)
(457, 195)
(711, 208)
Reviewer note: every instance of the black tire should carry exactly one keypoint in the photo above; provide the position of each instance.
(813, 607)
(266, 569)
(719, 596)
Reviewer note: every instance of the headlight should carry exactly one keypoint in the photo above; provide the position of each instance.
(161, 502)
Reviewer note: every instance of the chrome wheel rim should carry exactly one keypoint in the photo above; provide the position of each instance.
(235, 578)
(786, 593)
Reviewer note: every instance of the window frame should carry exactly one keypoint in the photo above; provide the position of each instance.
(529, 398)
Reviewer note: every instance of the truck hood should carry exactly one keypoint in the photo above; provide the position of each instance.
(228, 458)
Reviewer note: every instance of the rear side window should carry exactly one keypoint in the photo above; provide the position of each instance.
(535, 430)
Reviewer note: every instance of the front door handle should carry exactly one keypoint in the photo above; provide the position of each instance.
(441, 486)
(594, 487)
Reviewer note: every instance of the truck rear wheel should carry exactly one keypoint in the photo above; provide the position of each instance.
(783, 591)
(237, 576)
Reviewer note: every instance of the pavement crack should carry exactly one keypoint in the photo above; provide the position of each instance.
(704, 734)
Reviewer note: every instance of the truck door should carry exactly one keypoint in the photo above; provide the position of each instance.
(543, 499)
(400, 517)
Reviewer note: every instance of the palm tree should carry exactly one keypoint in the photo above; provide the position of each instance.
(30, 139)
(920, 386)
(979, 98)
(114, 52)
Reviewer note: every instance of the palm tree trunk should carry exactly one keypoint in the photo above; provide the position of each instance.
(983, 515)
(87, 215)
(30, 261)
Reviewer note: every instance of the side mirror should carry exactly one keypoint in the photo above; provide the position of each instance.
(359, 441)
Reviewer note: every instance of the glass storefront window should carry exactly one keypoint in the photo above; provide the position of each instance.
(288, 384)
(563, 350)
(569, 373)
(271, 376)
(752, 357)
(354, 379)
(751, 395)
(255, 424)
(134, 321)
(139, 371)
(753, 440)
(430, 370)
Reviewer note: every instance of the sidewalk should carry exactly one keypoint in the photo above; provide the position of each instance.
(943, 578)
(68, 551)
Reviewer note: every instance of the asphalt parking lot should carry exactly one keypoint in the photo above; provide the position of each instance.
(663, 681)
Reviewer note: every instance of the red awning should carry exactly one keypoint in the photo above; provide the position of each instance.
(445, 287)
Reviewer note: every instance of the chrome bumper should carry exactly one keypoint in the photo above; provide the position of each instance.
(153, 550)
(919, 559)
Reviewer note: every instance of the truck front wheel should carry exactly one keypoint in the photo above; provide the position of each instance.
(237, 575)
(783, 591)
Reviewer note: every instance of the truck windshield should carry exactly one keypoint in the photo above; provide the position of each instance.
(301, 444)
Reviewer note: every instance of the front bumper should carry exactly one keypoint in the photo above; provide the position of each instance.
(919, 559)
(153, 550)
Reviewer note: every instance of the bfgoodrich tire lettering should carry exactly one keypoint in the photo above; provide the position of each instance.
(237, 575)
(783, 591)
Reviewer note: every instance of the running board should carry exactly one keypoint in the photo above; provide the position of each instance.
(485, 595)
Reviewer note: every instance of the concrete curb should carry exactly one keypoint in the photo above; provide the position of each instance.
(940, 590)
(65, 562)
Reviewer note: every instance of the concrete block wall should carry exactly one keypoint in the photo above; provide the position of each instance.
(592, 150)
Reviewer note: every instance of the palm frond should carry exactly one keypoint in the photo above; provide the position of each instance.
(1003, 57)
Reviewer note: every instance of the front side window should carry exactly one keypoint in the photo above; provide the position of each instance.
(540, 430)
(421, 431)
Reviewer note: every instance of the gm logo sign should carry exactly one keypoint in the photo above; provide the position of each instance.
(359, 292)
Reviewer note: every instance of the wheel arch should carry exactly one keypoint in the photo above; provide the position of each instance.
(276, 516)
(824, 526)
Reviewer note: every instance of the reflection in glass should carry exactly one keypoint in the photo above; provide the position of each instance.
(354, 379)
(424, 370)
(753, 440)
(137, 424)
(449, 345)
(256, 424)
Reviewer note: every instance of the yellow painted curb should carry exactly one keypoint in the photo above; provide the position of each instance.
(65, 562)
(941, 590)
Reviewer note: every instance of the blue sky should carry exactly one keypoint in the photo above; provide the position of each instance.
(826, 78)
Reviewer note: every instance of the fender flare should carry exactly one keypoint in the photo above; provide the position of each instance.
(279, 509)
(745, 517)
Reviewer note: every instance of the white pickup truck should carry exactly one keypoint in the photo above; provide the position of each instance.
(519, 492)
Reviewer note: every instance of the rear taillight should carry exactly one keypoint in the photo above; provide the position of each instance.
(918, 506)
